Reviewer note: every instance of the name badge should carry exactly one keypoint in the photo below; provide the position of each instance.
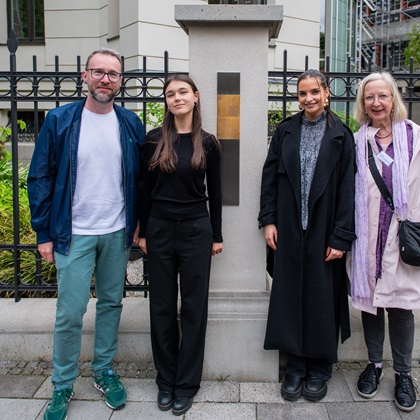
(384, 158)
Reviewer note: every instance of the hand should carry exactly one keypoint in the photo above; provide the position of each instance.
(136, 238)
(270, 233)
(333, 254)
(217, 248)
(47, 251)
(142, 245)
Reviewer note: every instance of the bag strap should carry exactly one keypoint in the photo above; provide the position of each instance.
(378, 179)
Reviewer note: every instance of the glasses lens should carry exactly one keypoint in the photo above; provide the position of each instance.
(100, 74)
(113, 77)
(97, 74)
(383, 97)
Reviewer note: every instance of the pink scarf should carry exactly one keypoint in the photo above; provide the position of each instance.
(360, 290)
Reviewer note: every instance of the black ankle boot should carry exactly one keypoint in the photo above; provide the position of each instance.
(291, 388)
(165, 400)
(315, 388)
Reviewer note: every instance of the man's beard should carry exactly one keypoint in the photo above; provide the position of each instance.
(103, 98)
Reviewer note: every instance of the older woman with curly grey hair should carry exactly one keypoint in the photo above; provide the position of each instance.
(379, 278)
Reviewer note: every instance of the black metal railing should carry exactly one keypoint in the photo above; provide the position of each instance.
(343, 86)
(38, 88)
(49, 89)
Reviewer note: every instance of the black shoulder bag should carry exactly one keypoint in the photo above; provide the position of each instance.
(408, 232)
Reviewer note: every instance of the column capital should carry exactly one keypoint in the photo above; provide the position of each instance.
(269, 16)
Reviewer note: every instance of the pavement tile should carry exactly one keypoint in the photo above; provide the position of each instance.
(141, 389)
(9, 364)
(363, 410)
(257, 392)
(15, 386)
(292, 411)
(144, 410)
(83, 390)
(26, 397)
(338, 389)
(11, 409)
(212, 411)
(385, 388)
(218, 391)
(412, 415)
(92, 410)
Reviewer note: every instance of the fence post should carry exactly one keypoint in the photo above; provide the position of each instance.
(411, 85)
(144, 91)
(348, 90)
(284, 83)
(12, 45)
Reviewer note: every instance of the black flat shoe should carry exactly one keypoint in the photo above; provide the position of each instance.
(405, 392)
(315, 389)
(165, 400)
(367, 385)
(291, 388)
(181, 405)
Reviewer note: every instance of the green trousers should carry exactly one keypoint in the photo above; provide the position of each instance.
(106, 257)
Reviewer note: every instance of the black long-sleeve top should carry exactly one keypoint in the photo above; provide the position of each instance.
(182, 195)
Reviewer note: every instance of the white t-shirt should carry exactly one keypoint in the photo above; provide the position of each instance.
(98, 203)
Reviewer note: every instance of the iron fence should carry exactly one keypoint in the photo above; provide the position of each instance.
(343, 87)
(43, 90)
(38, 88)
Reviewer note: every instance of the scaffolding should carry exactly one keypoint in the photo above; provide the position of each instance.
(381, 32)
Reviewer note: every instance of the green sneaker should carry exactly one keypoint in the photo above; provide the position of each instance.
(115, 394)
(57, 407)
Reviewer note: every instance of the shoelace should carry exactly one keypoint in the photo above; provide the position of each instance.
(371, 374)
(405, 381)
(59, 397)
(111, 381)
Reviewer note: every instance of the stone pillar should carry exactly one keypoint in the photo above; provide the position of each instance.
(234, 39)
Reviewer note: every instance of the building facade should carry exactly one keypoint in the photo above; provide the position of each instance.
(136, 28)
(369, 31)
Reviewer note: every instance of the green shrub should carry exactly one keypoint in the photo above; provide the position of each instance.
(27, 235)
(275, 115)
(353, 124)
(155, 111)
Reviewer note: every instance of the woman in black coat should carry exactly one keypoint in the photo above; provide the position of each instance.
(307, 206)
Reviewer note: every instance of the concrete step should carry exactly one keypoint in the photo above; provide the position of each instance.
(27, 334)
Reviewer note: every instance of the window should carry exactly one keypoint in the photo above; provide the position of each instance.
(394, 4)
(26, 17)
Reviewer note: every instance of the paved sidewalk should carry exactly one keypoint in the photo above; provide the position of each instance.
(25, 388)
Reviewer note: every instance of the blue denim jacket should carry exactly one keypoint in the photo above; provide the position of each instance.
(52, 174)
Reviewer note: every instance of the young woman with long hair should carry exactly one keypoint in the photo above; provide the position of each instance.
(179, 232)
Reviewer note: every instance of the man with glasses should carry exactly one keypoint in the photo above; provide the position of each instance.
(82, 188)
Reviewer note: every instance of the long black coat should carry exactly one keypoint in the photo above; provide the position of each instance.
(308, 301)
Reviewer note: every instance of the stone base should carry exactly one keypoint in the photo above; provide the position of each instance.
(234, 345)
(235, 338)
(235, 335)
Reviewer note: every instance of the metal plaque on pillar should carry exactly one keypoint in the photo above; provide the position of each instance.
(228, 133)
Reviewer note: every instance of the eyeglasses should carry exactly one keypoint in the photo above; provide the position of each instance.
(99, 74)
(383, 97)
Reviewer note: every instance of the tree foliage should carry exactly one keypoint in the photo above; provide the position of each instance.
(413, 48)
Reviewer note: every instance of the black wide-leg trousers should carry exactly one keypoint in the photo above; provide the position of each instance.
(182, 247)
